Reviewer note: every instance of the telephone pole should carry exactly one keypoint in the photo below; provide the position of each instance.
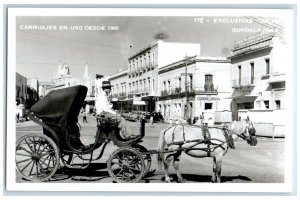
(186, 58)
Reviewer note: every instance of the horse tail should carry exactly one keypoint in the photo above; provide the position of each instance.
(160, 148)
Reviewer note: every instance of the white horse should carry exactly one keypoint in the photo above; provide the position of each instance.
(200, 142)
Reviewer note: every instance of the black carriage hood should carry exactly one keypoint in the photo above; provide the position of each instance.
(61, 102)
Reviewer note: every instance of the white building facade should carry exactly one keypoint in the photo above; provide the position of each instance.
(143, 67)
(195, 86)
(258, 81)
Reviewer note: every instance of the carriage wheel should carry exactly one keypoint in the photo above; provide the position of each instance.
(37, 157)
(147, 156)
(126, 165)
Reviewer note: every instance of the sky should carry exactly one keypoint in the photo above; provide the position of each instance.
(105, 43)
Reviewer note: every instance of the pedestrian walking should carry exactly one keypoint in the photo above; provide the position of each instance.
(84, 117)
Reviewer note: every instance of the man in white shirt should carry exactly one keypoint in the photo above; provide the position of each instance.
(104, 107)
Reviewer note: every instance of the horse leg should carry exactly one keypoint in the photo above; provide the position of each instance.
(214, 175)
(167, 162)
(176, 166)
(218, 167)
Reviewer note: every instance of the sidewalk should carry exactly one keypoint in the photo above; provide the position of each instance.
(25, 123)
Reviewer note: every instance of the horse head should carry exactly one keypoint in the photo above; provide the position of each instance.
(245, 130)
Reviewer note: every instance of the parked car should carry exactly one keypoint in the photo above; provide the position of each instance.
(130, 116)
(157, 117)
(125, 114)
(134, 116)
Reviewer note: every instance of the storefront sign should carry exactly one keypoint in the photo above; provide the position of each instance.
(208, 98)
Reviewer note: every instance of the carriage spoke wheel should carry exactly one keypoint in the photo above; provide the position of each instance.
(37, 157)
(146, 157)
(126, 165)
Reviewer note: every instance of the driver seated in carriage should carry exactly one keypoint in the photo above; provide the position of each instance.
(104, 108)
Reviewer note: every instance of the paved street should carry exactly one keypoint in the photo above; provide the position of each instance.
(263, 163)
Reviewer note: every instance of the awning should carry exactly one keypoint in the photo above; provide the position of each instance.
(90, 98)
(276, 81)
(136, 102)
(242, 97)
(148, 98)
(245, 96)
(277, 78)
(114, 99)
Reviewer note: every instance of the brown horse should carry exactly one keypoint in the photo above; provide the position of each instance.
(200, 142)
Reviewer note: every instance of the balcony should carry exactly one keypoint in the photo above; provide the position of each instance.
(176, 90)
(177, 93)
(210, 88)
(165, 93)
(244, 82)
(122, 96)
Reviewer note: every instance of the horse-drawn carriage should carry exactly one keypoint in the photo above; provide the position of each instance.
(38, 156)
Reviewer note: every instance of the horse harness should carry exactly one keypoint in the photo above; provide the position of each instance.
(207, 139)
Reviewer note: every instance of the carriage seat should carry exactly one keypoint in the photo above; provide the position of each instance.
(74, 137)
(109, 123)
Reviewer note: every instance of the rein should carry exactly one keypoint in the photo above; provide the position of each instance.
(242, 136)
(211, 145)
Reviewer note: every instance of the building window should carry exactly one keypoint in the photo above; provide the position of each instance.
(240, 75)
(267, 66)
(153, 84)
(252, 73)
(191, 83)
(191, 109)
(208, 86)
(169, 86)
(208, 106)
(277, 102)
(149, 84)
(153, 60)
(149, 61)
(266, 104)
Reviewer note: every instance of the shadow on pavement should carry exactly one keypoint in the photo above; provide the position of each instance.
(205, 178)
(231, 178)
(92, 173)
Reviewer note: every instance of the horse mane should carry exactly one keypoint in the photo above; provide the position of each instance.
(237, 126)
